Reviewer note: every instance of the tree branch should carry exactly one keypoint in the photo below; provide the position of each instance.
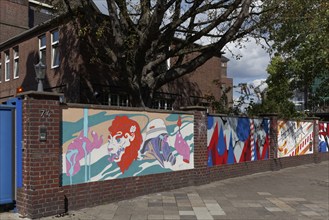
(115, 22)
(207, 53)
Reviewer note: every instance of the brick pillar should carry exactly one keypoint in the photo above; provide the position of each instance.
(201, 171)
(273, 151)
(41, 194)
(315, 141)
(317, 159)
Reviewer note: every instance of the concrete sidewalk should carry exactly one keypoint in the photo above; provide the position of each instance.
(293, 193)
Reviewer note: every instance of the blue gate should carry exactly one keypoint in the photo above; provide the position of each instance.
(10, 149)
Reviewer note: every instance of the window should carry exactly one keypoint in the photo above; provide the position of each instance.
(118, 100)
(16, 63)
(42, 48)
(54, 49)
(7, 66)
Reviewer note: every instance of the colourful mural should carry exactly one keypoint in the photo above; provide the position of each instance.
(234, 140)
(101, 145)
(323, 137)
(295, 138)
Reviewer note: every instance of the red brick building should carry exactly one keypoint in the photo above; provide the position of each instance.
(29, 32)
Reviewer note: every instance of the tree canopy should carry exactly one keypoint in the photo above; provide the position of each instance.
(299, 34)
(138, 36)
(278, 93)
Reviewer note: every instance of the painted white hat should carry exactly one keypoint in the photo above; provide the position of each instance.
(155, 128)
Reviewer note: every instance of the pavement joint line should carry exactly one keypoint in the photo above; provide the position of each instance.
(310, 213)
(277, 203)
(282, 205)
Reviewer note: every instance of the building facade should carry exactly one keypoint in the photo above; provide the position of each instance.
(69, 70)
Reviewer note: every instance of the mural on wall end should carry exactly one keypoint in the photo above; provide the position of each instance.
(295, 138)
(101, 145)
(323, 137)
(237, 139)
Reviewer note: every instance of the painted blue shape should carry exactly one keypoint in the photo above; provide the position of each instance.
(230, 159)
(189, 137)
(172, 117)
(171, 128)
(210, 162)
(255, 151)
(210, 123)
(6, 156)
(323, 147)
(265, 125)
(243, 129)
(85, 134)
(221, 146)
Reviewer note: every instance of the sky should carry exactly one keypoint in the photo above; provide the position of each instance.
(102, 6)
(251, 67)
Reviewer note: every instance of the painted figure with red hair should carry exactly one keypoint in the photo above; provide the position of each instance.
(124, 141)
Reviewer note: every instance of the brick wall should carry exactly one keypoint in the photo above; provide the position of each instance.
(95, 193)
(201, 170)
(13, 18)
(239, 169)
(43, 195)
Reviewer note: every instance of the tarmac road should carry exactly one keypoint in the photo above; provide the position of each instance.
(294, 193)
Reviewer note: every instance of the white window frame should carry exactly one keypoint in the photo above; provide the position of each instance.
(43, 48)
(54, 46)
(7, 66)
(16, 62)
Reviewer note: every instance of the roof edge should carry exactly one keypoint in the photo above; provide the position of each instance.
(50, 22)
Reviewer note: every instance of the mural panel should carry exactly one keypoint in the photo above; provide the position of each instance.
(101, 145)
(295, 138)
(323, 137)
(233, 140)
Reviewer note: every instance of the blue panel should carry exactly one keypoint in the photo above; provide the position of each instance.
(6, 156)
(17, 102)
(19, 139)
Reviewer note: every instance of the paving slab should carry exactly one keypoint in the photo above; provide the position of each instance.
(295, 193)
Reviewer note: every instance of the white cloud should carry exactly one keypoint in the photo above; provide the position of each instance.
(259, 83)
(251, 66)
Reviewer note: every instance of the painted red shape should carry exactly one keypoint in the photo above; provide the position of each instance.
(124, 124)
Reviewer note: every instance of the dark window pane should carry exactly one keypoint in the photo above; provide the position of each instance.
(55, 36)
(43, 41)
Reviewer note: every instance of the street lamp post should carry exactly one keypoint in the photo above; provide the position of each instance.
(40, 71)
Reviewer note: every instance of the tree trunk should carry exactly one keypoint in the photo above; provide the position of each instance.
(306, 98)
(136, 98)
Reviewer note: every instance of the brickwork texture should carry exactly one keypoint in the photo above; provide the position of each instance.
(43, 195)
